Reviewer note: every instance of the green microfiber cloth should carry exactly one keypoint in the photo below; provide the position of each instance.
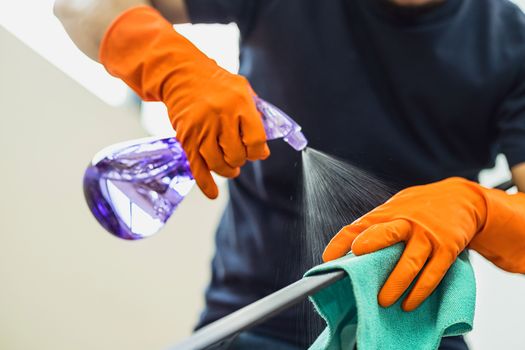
(353, 315)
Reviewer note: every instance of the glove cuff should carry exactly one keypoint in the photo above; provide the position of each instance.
(142, 48)
(502, 239)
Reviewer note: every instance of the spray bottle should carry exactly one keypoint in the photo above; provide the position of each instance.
(132, 188)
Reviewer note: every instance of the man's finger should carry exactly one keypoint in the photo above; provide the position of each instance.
(214, 158)
(253, 135)
(341, 243)
(411, 262)
(202, 175)
(380, 236)
(231, 144)
(429, 279)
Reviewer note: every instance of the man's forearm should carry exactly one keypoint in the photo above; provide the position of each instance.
(86, 21)
(518, 175)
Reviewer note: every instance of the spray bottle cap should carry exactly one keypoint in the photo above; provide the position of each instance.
(297, 140)
(278, 124)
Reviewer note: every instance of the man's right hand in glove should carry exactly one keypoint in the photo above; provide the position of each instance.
(212, 110)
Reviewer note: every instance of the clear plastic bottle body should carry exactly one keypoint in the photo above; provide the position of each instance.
(132, 193)
(133, 188)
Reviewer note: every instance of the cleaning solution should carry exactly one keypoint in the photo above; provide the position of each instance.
(132, 188)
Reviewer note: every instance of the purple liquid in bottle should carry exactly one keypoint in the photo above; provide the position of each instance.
(132, 188)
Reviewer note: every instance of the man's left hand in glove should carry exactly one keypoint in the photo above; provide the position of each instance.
(437, 222)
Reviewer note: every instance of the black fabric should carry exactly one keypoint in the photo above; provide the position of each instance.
(411, 95)
(241, 12)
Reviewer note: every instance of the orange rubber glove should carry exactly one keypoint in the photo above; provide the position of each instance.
(437, 222)
(211, 109)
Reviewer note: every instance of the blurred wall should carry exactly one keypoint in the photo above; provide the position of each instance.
(64, 282)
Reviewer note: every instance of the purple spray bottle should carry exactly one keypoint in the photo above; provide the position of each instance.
(132, 188)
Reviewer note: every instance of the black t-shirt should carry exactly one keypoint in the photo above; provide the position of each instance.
(411, 95)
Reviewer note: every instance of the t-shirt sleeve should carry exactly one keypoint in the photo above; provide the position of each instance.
(512, 124)
(241, 12)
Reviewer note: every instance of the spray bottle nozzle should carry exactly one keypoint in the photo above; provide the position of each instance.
(278, 124)
(296, 140)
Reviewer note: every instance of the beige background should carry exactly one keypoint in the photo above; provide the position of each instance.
(66, 284)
